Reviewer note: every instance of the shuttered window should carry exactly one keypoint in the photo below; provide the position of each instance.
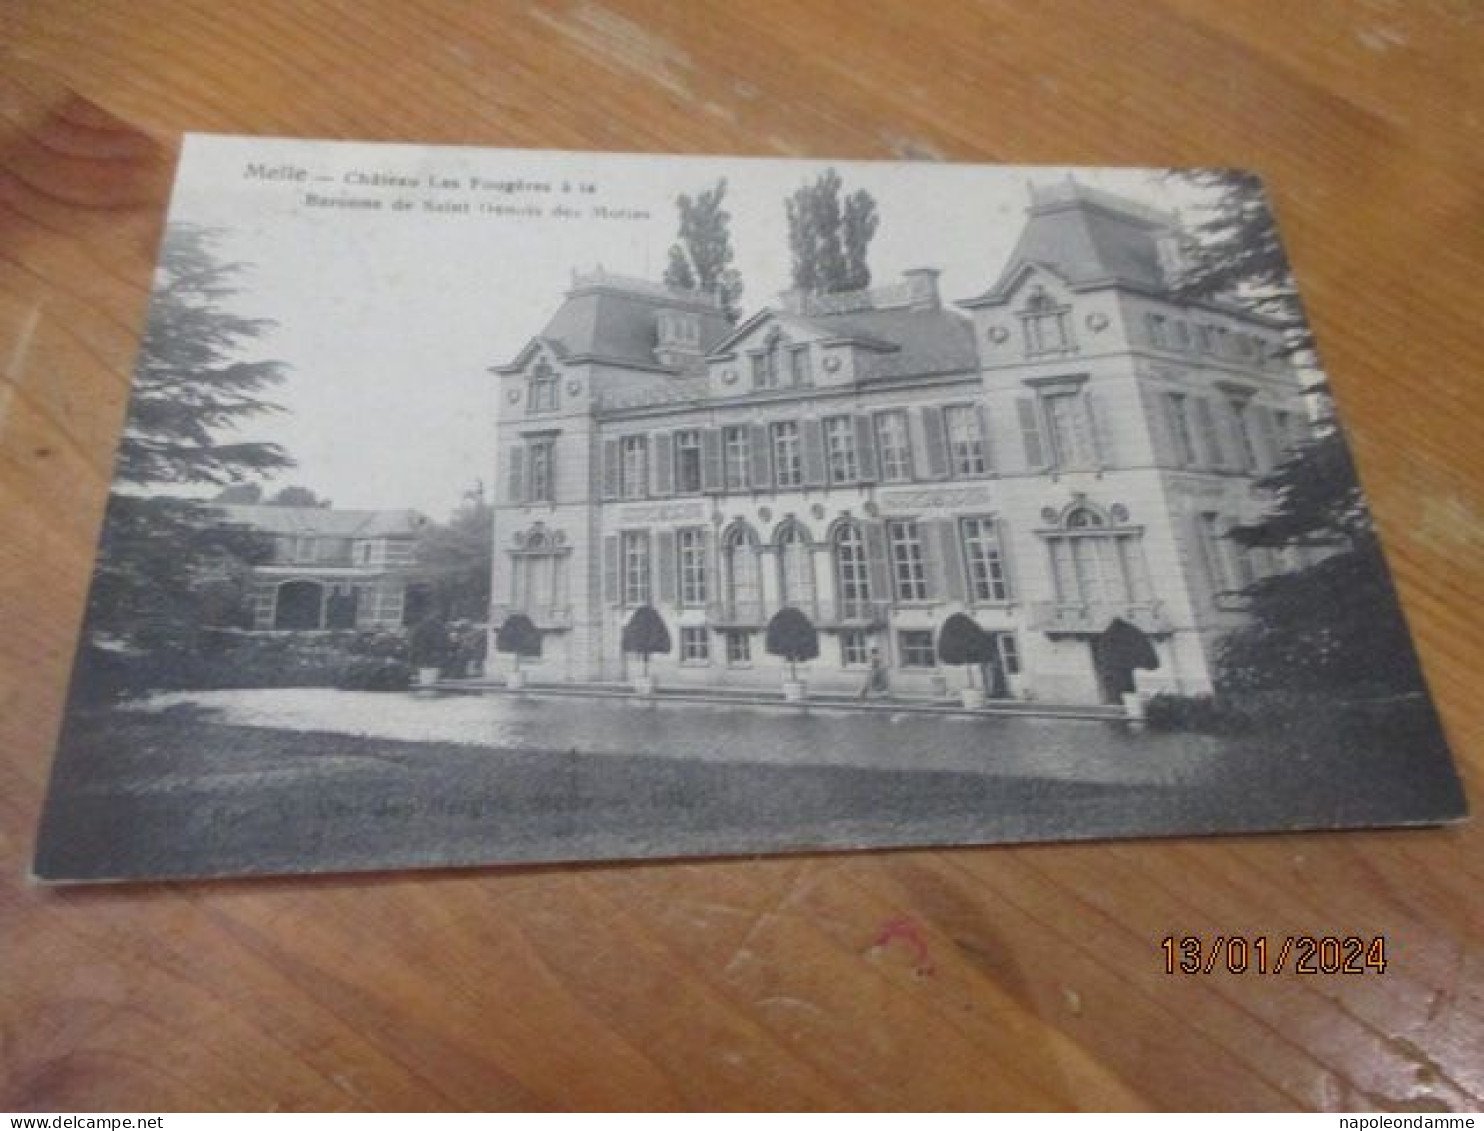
(909, 575)
(636, 567)
(893, 447)
(634, 470)
(839, 438)
(734, 458)
(966, 447)
(985, 562)
(787, 461)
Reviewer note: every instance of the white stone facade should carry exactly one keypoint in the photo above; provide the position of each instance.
(1065, 454)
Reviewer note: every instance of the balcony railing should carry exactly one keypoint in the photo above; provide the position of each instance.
(1088, 618)
(737, 613)
(549, 618)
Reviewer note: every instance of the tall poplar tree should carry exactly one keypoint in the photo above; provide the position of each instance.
(701, 258)
(829, 237)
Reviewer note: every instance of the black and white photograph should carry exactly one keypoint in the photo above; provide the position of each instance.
(485, 506)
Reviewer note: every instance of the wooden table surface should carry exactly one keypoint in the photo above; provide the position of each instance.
(780, 982)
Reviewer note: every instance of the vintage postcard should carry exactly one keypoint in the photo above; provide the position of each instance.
(480, 506)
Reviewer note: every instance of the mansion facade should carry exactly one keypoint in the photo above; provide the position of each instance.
(1064, 452)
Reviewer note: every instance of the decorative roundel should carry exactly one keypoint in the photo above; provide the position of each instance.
(765, 514)
(574, 387)
(999, 335)
(817, 510)
(1097, 322)
(729, 376)
(1118, 512)
(513, 396)
(832, 364)
(558, 538)
(519, 539)
(1049, 514)
(871, 509)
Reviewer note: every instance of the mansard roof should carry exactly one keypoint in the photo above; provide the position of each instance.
(1086, 237)
(329, 522)
(920, 341)
(613, 319)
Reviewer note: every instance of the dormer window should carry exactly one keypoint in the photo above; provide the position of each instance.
(1046, 325)
(542, 391)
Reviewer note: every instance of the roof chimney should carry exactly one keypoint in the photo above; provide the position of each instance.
(922, 288)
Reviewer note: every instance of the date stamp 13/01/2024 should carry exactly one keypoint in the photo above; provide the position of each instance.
(1288, 954)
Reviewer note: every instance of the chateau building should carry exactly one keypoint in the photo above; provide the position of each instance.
(1063, 453)
(330, 568)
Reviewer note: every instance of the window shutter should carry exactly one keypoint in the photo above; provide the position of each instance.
(711, 478)
(1265, 438)
(662, 466)
(709, 563)
(1002, 539)
(877, 567)
(552, 465)
(1159, 412)
(865, 449)
(611, 468)
(1100, 427)
(986, 437)
(811, 434)
(665, 553)
(1210, 438)
(934, 443)
(1030, 433)
(612, 587)
(1209, 576)
(1233, 418)
(760, 457)
(950, 560)
(515, 482)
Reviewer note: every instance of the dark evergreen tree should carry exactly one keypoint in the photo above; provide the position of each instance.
(829, 239)
(193, 388)
(646, 635)
(792, 636)
(701, 259)
(518, 636)
(192, 391)
(961, 642)
(1332, 625)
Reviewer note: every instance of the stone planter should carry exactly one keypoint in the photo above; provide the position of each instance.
(972, 697)
(795, 690)
(1134, 706)
(644, 685)
(427, 677)
(515, 680)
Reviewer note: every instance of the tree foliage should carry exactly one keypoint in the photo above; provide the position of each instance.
(518, 636)
(792, 636)
(646, 634)
(829, 237)
(456, 557)
(166, 566)
(296, 496)
(701, 258)
(193, 388)
(961, 641)
(1334, 624)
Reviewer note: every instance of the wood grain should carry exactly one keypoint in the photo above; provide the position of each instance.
(757, 983)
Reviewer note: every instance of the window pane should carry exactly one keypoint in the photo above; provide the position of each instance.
(839, 433)
(893, 447)
(908, 574)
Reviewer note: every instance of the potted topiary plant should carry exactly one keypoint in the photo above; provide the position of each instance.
(517, 636)
(428, 649)
(646, 635)
(962, 643)
(792, 637)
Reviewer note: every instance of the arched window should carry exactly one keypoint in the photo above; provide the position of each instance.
(742, 584)
(796, 567)
(852, 575)
(1095, 564)
(1083, 518)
